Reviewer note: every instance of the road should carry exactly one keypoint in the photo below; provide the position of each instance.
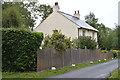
(96, 71)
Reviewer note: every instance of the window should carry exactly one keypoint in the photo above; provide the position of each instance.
(83, 32)
(93, 35)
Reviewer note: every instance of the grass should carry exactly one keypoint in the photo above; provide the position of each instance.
(115, 74)
(48, 73)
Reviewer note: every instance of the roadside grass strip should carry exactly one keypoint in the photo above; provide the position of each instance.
(49, 73)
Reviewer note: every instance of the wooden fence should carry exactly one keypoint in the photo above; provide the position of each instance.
(47, 58)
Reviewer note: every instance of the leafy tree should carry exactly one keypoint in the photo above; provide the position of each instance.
(114, 39)
(91, 20)
(105, 40)
(12, 18)
(38, 9)
(118, 35)
(104, 37)
(86, 42)
(45, 10)
(16, 15)
(28, 12)
(57, 41)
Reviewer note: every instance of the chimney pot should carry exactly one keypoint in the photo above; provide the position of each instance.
(75, 12)
(56, 3)
(56, 7)
(78, 11)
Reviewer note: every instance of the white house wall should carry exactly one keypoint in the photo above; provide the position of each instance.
(59, 22)
(88, 33)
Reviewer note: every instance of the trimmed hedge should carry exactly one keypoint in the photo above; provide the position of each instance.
(19, 49)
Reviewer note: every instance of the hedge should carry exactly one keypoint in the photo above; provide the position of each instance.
(86, 42)
(19, 49)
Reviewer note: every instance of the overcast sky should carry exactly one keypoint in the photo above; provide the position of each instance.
(105, 10)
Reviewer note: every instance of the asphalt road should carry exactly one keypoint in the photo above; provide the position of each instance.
(96, 71)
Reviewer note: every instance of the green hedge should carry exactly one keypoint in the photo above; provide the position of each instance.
(19, 49)
(86, 42)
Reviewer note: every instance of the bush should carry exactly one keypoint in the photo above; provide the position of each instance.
(19, 49)
(85, 43)
(104, 51)
(57, 41)
(115, 53)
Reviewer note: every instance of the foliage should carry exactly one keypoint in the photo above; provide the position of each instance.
(107, 38)
(45, 11)
(15, 15)
(86, 42)
(57, 40)
(20, 14)
(115, 52)
(104, 51)
(90, 19)
(114, 38)
(118, 35)
(19, 49)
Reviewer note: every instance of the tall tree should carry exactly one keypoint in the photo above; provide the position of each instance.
(118, 34)
(104, 36)
(114, 38)
(45, 10)
(12, 18)
(28, 12)
(38, 9)
(91, 19)
(16, 15)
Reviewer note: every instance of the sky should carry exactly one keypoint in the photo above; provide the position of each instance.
(105, 10)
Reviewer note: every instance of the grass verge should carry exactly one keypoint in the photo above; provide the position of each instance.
(49, 73)
(115, 74)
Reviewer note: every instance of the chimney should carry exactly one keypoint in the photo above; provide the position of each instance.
(56, 3)
(56, 7)
(77, 15)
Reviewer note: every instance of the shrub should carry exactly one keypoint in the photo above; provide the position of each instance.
(57, 41)
(19, 49)
(115, 52)
(86, 42)
(104, 51)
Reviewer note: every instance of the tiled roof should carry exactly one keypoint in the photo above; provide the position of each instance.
(80, 23)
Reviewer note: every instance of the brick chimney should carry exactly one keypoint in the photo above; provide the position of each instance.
(77, 14)
(56, 7)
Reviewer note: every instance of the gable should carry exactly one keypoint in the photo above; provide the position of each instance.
(58, 21)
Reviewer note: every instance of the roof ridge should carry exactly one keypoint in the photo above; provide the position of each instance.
(68, 14)
(82, 23)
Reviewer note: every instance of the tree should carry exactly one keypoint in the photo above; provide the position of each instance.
(91, 20)
(57, 41)
(12, 18)
(16, 15)
(38, 9)
(45, 11)
(104, 34)
(28, 12)
(85, 42)
(118, 35)
(104, 37)
(114, 38)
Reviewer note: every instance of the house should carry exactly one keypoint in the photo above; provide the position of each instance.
(70, 25)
